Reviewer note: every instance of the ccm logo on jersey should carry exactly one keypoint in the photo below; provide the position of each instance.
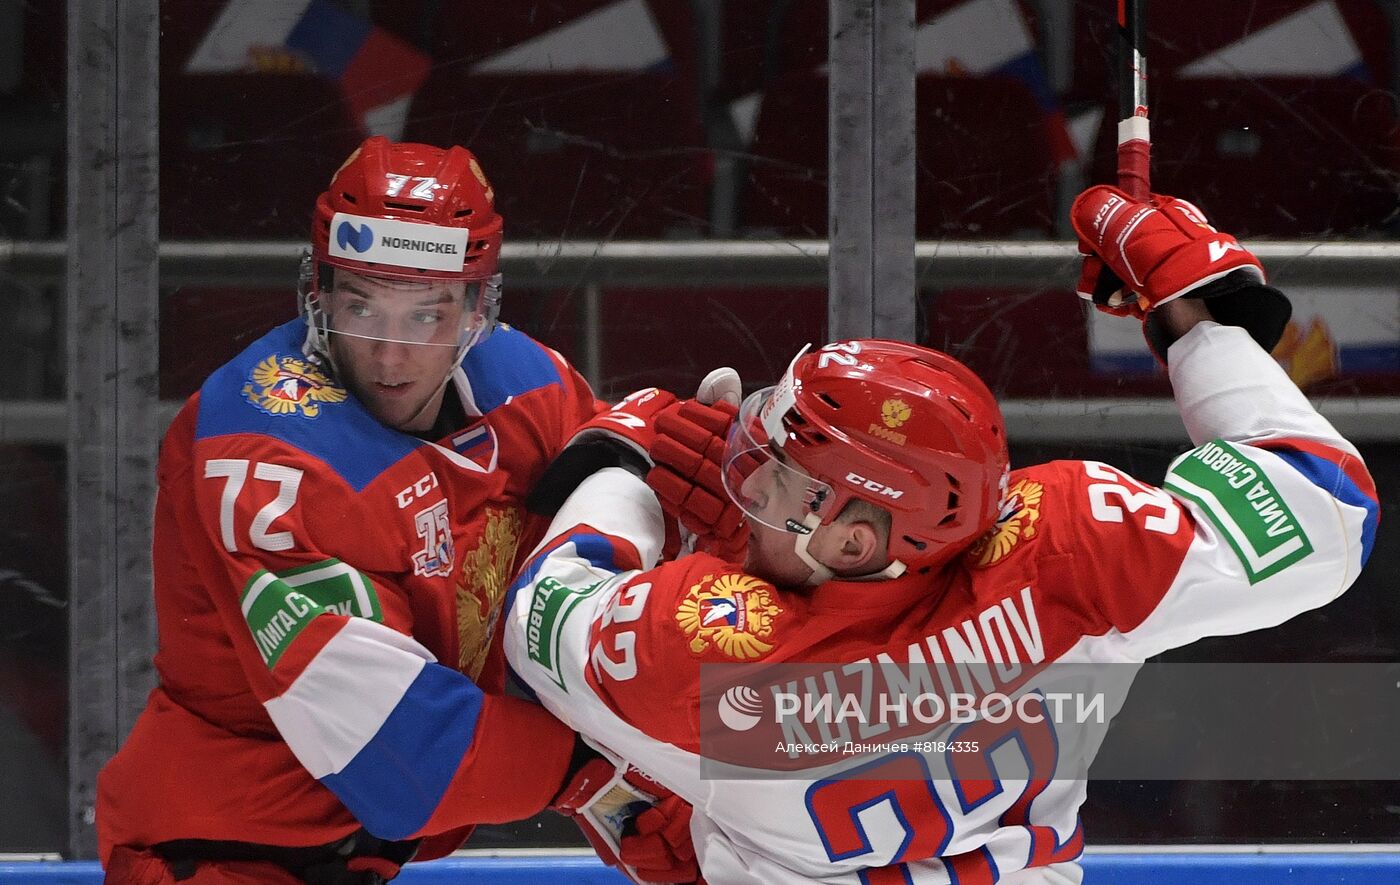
(873, 486)
(420, 488)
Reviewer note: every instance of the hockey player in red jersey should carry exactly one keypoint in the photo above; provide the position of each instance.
(874, 480)
(340, 509)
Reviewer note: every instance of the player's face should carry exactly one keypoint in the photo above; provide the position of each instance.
(771, 494)
(395, 343)
(778, 496)
(772, 554)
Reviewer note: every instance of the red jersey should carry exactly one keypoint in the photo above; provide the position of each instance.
(327, 591)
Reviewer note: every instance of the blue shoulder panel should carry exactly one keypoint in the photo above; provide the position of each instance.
(271, 389)
(509, 363)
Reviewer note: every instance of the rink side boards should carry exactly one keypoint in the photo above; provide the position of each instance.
(1125, 865)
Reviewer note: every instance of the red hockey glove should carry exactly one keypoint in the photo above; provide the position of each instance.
(1157, 250)
(632, 421)
(608, 800)
(1140, 255)
(686, 451)
(659, 847)
(618, 437)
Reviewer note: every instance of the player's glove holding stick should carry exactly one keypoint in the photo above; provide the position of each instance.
(1141, 254)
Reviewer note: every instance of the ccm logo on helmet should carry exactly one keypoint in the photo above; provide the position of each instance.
(873, 486)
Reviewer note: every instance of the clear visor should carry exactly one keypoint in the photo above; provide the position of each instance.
(764, 482)
(443, 313)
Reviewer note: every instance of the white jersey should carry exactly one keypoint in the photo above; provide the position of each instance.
(1271, 514)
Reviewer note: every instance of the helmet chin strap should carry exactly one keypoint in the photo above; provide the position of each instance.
(821, 573)
(436, 397)
(447, 379)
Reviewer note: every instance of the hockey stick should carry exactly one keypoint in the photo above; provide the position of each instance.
(1134, 142)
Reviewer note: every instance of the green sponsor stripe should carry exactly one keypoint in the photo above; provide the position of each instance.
(1239, 498)
(336, 585)
(276, 614)
(551, 603)
(278, 606)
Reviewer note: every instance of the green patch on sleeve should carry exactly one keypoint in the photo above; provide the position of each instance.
(278, 606)
(1240, 499)
(551, 603)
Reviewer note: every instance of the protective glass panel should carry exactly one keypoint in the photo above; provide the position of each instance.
(616, 131)
(766, 484)
(33, 498)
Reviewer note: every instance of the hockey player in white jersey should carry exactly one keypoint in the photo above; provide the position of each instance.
(875, 483)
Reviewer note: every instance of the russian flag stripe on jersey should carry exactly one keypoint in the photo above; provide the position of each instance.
(468, 440)
(1340, 474)
(381, 724)
(602, 551)
(1349, 464)
(345, 693)
(395, 783)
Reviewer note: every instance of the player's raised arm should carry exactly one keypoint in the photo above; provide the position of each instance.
(593, 607)
(594, 571)
(1273, 512)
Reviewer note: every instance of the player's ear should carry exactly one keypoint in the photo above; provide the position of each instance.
(859, 550)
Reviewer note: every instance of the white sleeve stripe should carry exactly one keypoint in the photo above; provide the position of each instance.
(342, 698)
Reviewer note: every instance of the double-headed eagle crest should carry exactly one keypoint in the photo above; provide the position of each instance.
(734, 613)
(1020, 511)
(286, 385)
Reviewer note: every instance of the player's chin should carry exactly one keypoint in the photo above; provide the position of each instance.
(394, 411)
(759, 565)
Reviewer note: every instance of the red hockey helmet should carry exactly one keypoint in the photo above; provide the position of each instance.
(412, 214)
(908, 429)
(408, 211)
